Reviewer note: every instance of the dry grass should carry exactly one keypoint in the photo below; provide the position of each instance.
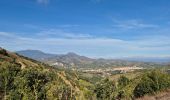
(164, 95)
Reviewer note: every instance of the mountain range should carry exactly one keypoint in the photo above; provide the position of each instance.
(35, 54)
(73, 59)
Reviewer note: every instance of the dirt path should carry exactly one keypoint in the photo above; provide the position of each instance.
(22, 65)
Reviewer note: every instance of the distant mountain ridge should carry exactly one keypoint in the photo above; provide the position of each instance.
(73, 59)
(35, 54)
(69, 59)
(39, 55)
(52, 59)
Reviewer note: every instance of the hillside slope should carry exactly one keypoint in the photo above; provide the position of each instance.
(14, 58)
(24, 78)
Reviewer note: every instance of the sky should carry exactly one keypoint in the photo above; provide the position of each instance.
(94, 28)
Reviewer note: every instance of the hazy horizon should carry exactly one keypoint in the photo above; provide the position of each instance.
(104, 57)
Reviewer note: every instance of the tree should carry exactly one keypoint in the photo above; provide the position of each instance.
(144, 87)
(30, 83)
(8, 71)
(104, 89)
(151, 82)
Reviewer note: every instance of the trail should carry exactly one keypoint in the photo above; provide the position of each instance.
(22, 65)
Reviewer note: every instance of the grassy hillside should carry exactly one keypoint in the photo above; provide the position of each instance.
(27, 79)
(22, 78)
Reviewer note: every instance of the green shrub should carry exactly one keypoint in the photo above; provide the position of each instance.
(152, 82)
(144, 87)
(104, 90)
(32, 81)
(123, 81)
(3, 52)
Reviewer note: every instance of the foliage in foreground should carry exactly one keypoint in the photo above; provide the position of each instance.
(146, 84)
(38, 83)
(152, 82)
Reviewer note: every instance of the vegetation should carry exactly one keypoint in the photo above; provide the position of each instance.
(152, 82)
(148, 83)
(25, 79)
(104, 89)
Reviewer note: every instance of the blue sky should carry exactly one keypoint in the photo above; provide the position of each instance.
(95, 28)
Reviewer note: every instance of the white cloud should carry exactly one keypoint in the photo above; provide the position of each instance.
(95, 46)
(132, 24)
(7, 35)
(58, 33)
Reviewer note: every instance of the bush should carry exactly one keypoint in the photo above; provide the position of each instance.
(3, 52)
(121, 94)
(31, 82)
(104, 90)
(144, 87)
(152, 82)
(123, 81)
